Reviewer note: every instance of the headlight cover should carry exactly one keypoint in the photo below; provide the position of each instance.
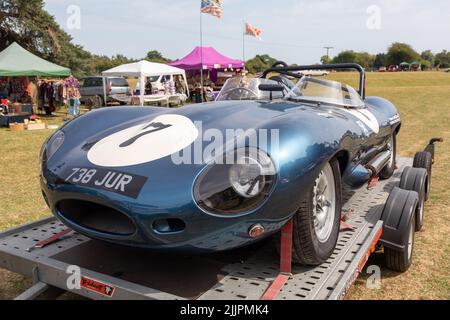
(53, 145)
(237, 185)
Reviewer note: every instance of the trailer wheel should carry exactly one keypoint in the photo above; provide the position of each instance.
(424, 160)
(401, 260)
(414, 179)
(317, 221)
(389, 170)
(399, 228)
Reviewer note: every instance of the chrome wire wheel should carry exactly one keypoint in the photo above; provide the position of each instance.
(391, 148)
(324, 204)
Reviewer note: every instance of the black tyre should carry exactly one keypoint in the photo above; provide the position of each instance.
(424, 160)
(401, 260)
(416, 179)
(389, 170)
(317, 221)
(431, 149)
(99, 102)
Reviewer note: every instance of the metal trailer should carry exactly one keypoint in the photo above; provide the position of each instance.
(112, 272)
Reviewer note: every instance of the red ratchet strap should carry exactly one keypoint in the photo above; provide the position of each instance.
(346, 214)
(373, 183)
(285, 263)
(51, 240)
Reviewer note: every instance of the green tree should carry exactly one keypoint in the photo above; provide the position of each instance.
(442, 59)
(427, 55)
(156, 56)
(380, 61)
(349, 56)
(365, 59)
(426, 65)
(260, 63)
(326, 59)
(401, 52)
(27, 23)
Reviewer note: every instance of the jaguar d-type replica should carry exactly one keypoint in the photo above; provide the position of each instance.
(224, 174)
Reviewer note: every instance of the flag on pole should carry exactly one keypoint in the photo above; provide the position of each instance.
(212, 7)
(252, 31)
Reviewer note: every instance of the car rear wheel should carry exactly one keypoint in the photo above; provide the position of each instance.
(317, 221)
(389, 170)
(98, 102)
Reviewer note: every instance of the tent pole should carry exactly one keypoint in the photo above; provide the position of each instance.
(105, 101)
(186, 84)
(201, 56)
(142, 89)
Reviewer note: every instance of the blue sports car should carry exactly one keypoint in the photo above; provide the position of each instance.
(223, 174)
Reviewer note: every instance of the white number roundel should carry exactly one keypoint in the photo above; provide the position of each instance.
(162, 137)
(367, 118)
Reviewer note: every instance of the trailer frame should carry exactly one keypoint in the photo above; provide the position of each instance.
(239, 275)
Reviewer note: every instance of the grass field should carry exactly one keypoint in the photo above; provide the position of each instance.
(424, 102)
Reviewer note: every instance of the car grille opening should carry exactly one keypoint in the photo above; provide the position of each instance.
(96, 217)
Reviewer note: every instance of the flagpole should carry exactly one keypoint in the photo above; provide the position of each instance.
(243, 44)
(201, 55)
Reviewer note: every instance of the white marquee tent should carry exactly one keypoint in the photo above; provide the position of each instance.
(142, 70)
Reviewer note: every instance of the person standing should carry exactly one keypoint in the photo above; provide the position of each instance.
(148, 87)
(180, 87)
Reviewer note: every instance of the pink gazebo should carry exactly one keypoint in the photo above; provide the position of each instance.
(212, 60)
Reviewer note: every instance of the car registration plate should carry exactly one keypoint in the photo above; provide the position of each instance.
(114, 181)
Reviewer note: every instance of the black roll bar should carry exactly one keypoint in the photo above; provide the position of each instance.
(283, 68)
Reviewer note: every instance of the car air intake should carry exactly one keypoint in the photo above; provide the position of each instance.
(96, 217)
(167, 226)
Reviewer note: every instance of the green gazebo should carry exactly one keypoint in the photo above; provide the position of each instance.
(15, 61)
(405, 66)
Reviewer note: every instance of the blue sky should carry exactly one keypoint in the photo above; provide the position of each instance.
(293, 30)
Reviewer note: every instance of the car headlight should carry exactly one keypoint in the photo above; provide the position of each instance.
(230, 188)
(53, 145)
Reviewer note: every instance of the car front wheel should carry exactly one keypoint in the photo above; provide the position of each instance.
(317, 221)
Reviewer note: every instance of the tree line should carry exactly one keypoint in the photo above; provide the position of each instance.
(28, 23)
(396, 54)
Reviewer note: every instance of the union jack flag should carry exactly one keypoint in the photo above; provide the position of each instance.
(252, 31)
(212, 7)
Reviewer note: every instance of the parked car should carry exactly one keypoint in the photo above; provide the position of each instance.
(116, 174)
(91, 88)
(382, 69)
(393, 68)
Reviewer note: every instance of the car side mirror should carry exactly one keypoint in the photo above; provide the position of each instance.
(271, 88)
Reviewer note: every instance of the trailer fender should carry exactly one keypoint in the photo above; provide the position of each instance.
(416, 179)
(398, 212)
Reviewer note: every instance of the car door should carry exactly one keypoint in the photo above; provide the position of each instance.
(97, 87)
(86, 90)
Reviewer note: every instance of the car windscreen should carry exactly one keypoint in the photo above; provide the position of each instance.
(326, 91)
(119, 82)
(243, 88)
(154, 78)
